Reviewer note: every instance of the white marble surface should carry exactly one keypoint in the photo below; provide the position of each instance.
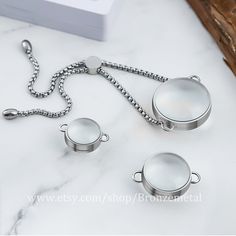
(163, 36)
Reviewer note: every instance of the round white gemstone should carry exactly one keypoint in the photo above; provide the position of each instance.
(181, 99)
(83, 131)
(166, 171)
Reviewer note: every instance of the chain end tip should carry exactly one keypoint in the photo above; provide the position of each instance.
(27, 46)
(10, 114)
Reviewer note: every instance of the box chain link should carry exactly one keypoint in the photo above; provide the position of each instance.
(79, 68)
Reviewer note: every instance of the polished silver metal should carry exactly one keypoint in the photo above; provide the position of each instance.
(166, 174)
(26, 46)
(94, 65)
(58, 79)
(182, 104)
(10, 114)
(83, 134)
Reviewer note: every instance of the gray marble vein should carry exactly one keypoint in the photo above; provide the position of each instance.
(15, 29)
(162, 36)
(22, 213)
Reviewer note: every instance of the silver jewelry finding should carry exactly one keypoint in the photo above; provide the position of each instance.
(166, 174)
(183, 102)
(93, 63)
(83, 134)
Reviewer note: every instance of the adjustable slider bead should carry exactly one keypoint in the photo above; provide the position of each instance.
(93, 64)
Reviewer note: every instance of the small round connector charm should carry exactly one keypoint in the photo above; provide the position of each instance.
(93, 63)
(167, 175)
(83, 134)
(10, 114)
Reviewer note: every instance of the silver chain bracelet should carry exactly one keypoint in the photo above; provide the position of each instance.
(194, 114)
(77, 68)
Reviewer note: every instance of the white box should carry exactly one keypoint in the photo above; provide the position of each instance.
(88, 18)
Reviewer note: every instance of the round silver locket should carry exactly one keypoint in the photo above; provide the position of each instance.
(166, 174)
(83, 134)
(182, 103)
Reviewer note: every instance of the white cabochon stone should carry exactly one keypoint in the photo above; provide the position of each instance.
(166, 171)
(182, 99)
(83, 131)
